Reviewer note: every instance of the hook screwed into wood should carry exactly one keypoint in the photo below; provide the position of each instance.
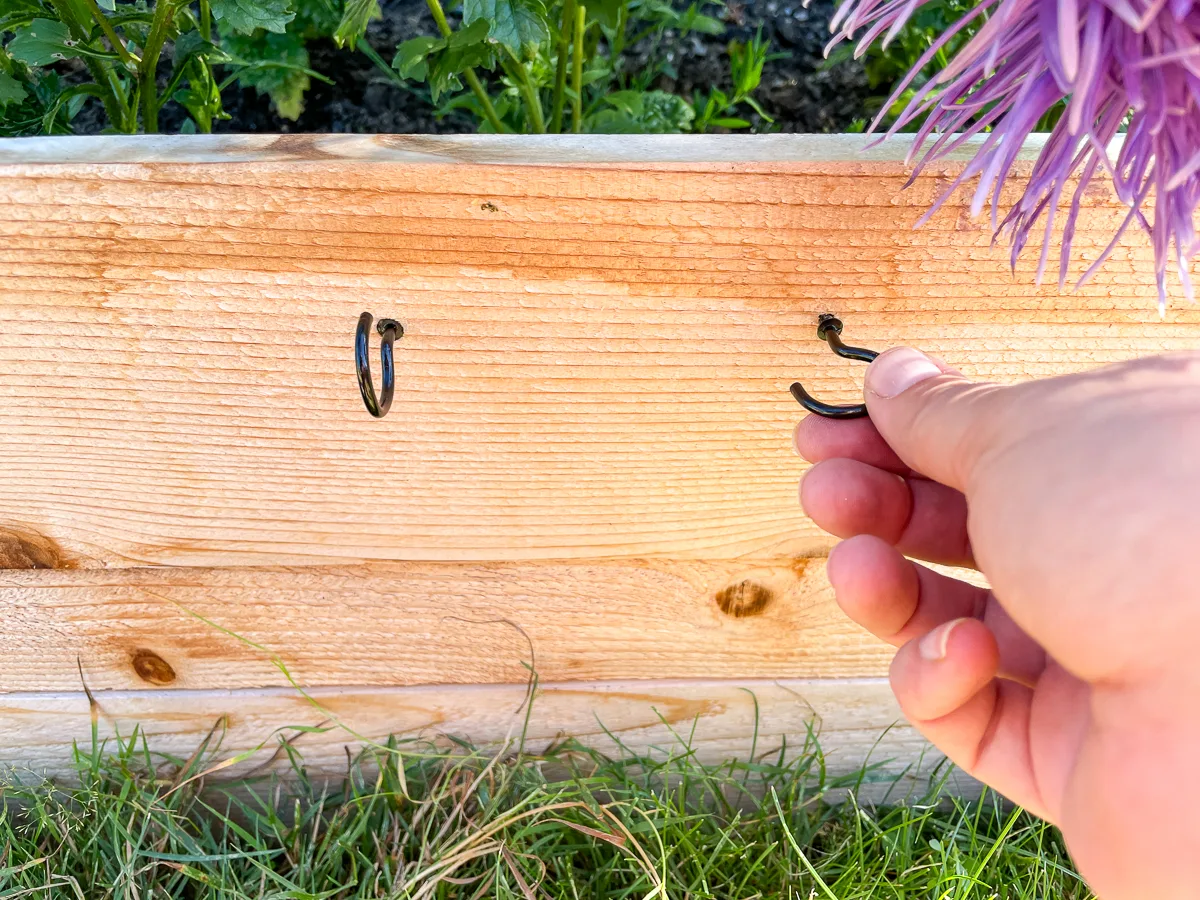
(829, 329)
(389, 330)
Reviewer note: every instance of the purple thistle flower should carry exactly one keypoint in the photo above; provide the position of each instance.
(1119, 64)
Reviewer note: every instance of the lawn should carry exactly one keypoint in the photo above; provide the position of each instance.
(410, 821)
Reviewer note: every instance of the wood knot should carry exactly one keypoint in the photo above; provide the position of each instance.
(746, 598)
(152, 668)
(22, 549)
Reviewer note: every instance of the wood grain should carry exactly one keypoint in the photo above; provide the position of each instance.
(393, 624)
(596, 358)
(856, 722)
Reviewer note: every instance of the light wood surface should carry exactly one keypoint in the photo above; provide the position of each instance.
(389, 624)
(856, 722)
(596, 357)
(627, 151)
(587, 469)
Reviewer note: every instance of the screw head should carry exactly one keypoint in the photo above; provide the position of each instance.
(385, 324)
(827, 322)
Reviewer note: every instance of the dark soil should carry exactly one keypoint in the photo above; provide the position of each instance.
(797, 91)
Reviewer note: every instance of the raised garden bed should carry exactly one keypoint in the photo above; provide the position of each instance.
(587, 468)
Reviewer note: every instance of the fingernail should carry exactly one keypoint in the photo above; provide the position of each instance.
(895, 371)
(932, 647)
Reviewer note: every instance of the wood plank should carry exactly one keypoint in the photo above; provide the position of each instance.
(856, 722)
(397, 624)
(625, 151)
(596, 357)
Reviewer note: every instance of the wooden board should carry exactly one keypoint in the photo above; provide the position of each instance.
(624, 151)
(389, 624)
(587, 469)
(596, 358)
(854, 721)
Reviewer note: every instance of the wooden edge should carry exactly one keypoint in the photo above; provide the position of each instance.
(813, 150)
(409, 624)
(856, 723)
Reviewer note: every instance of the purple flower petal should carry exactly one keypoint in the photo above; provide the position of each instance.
(1119, 65)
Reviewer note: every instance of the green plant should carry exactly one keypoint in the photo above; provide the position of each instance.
(558, 67)
(412, 823)
(135, 58)
(746, 62)
(563, 66)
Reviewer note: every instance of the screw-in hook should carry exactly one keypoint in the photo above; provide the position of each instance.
(389, 330)
(829, 329)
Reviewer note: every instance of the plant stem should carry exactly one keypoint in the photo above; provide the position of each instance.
(118, 45)
(469, 76)
(560, 74)
(439, 16)
(577, 70)
(529, 94)
(163, 12)
(112, 94)
(206, 20)
(393, 76)
(489, 111)
(618, 46)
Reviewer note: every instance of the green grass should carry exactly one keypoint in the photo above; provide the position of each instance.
(410, 822)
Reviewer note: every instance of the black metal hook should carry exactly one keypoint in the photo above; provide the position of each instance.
(389, 330)
(829, 329)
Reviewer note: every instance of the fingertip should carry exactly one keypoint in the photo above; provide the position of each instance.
(937, 673)
(800, 438)
(847, 497)
(817, 439)
(874, 585)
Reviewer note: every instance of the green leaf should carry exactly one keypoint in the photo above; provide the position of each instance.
(355, 16)
(643, 112)
(458, 58)
(410, 61)
(753, 104)
(729, 123)
(11, 90)
(606, 12)
(192, 44)
(202, 97)
(20, 9)
(244, 16)
(440, 61)
(274, 65)
(704, 24)
(474, 34)
(316, 18)
(42, 43)
(519, 25)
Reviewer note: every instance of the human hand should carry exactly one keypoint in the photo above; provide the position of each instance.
(1073, 685)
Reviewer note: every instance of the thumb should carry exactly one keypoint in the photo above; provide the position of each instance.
(936, 420)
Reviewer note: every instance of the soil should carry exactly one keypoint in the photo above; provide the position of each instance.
(797, 91)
